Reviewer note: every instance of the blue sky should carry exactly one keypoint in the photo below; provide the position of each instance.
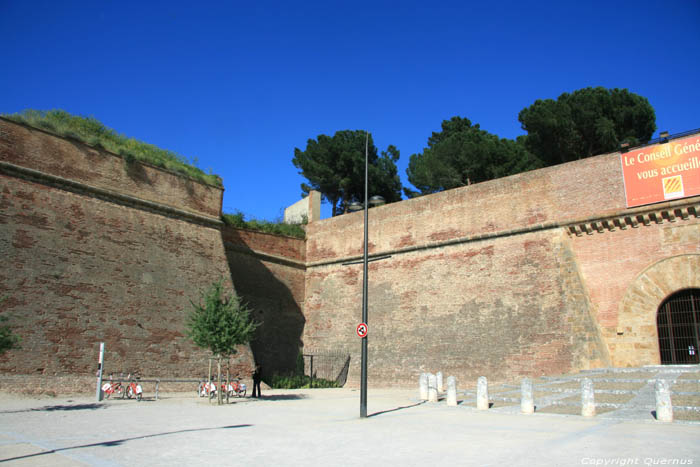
(239, 85)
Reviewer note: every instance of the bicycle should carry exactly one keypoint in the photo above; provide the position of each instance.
(206, 388)
(113, 387)
(134, 388)
(237, 388)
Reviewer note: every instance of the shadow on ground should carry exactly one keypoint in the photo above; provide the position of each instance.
(282, 397)
(396, 409)
(118, 442)
(54, 408)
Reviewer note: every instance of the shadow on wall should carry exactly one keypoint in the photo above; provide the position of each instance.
(278, 340)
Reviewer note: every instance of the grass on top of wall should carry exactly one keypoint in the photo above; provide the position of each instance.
(93, 133)
(237, 220)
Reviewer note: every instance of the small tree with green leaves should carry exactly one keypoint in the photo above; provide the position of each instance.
(220, 322)
(8, 340)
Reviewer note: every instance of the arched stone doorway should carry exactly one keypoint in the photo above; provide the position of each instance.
(678, 325)
(637, 339)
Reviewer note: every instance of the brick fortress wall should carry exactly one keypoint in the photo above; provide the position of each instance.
(268, 271)
(539, 273)
(95, 249)
(523, 275)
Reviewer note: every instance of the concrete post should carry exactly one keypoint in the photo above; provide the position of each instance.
(664, 407)
(527, 403)
(440, 386)
(452, 391)
(482, 393)
(423, 386)
(587, 398)
(432, 388)
(100, 366)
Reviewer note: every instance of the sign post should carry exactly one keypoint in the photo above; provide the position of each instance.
(100, 365)
(362, 328)
(363, 372)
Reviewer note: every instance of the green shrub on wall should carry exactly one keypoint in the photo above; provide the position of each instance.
(298, 380)
(278, 228)
(93, 133)
(8, 340)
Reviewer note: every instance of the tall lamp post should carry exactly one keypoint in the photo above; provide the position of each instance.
(355, 206)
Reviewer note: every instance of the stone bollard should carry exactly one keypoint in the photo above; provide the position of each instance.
(423, 386)
(440, 386)
(482, 393)
(452, 391)
(664, 407)
(432, 388)
(587, 398)
(527, 404)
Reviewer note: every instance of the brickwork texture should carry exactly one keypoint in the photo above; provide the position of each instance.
(81, 267)
(544, 272)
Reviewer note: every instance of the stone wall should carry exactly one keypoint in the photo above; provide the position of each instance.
(502, 307)
(518, 276)
(71, 160)
(539, 273)
(97, 250)
(268, 272)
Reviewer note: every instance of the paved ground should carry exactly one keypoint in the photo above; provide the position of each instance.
(322, 427)
(627, 393)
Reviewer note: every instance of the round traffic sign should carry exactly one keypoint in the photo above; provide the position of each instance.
(362, 330)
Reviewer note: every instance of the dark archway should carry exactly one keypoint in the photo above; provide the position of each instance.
(678, 323)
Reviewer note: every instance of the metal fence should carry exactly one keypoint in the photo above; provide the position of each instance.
(331, 365)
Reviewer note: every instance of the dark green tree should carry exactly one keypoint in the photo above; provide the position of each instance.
(585, 123)
(463, 153)
(8, 340)
(335, 166)
(220, 323)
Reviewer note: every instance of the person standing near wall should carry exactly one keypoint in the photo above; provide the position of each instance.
(257, 377)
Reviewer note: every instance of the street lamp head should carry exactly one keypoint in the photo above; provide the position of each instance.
(355, 206)
(376, 201)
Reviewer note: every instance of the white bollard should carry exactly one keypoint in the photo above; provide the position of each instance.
(482, 393)
(587, 398)
(527, 403)
(440, 386)
(664, 407)
(451, 391)
(423, 386)
(432, 388)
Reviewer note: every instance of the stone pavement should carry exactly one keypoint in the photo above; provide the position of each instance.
(322, 427)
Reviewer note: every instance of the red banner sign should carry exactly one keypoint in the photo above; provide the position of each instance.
(662, 172)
